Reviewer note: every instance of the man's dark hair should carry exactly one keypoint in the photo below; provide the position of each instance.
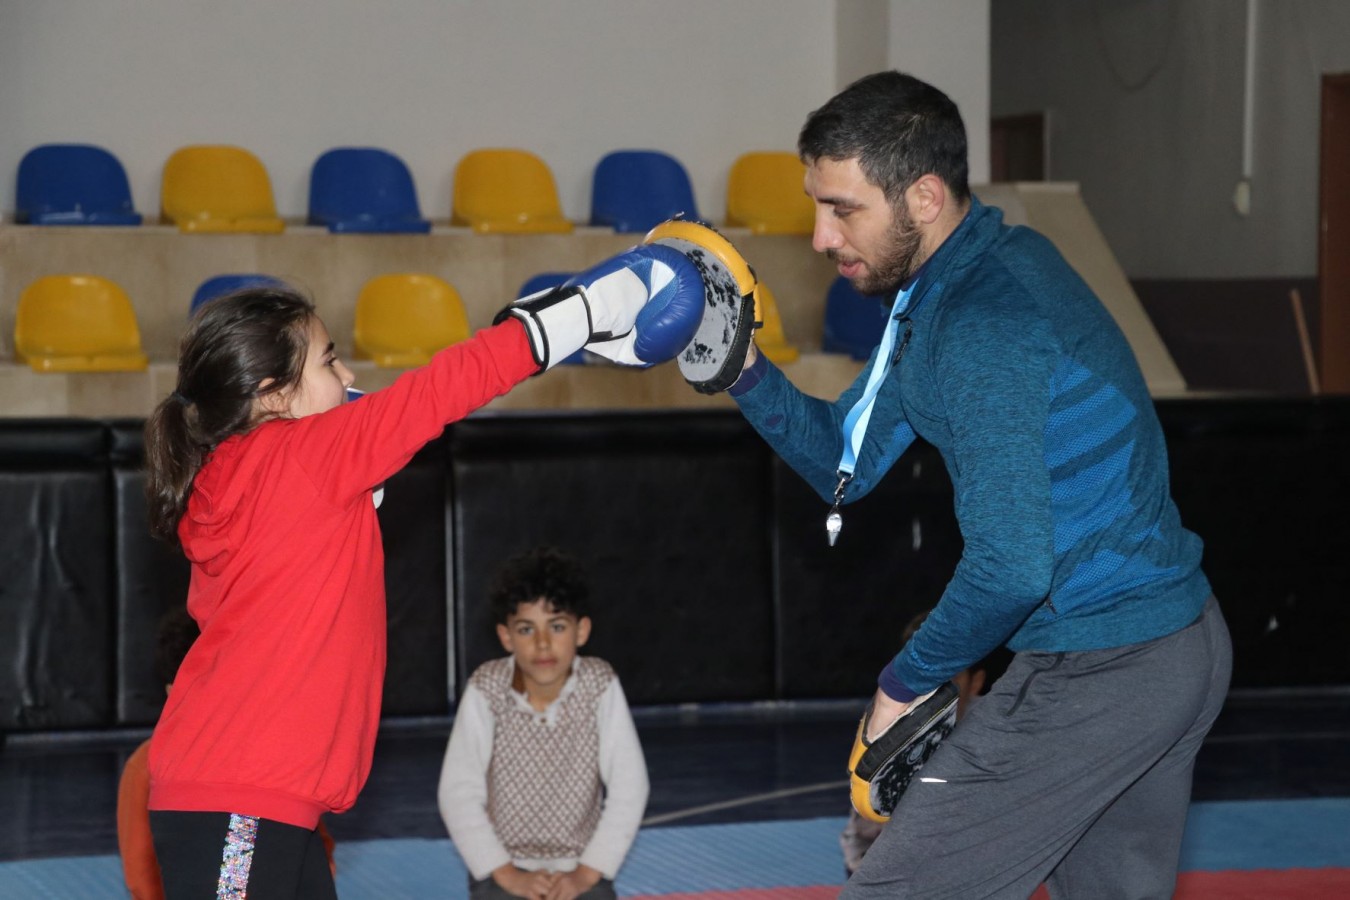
(546, 573)
(177, 632)
(898, 128)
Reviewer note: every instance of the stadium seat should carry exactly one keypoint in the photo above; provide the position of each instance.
(853, 321)
(506, 191)
(403, 319)
(77, 323)
(544, 281)
(364, 190)
(635, 190)
(217, 188)
(770, 339)
(73, 184)
(220, 285)
(764, 194)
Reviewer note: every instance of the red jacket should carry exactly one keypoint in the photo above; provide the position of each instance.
(274, 710)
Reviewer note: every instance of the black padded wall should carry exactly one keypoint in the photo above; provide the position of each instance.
(412, 524)
(1266, 485)
(667, 513)
(842, 609)
(56, 612)
(712, 577)
(150, 577)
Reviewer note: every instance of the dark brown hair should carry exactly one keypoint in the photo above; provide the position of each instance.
(176, 634)
(232, 346)
(544, 572)
(898, 128)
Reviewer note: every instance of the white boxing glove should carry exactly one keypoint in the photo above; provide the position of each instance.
(638, 308)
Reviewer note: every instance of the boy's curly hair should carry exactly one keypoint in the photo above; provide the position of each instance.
(176, 633)
(544, 572)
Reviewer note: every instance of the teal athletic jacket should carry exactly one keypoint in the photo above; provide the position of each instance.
(1021, 379)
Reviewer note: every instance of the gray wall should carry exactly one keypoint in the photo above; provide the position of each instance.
(706, 80)
(1144, 100)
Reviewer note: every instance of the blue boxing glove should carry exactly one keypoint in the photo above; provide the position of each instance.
(638, 308)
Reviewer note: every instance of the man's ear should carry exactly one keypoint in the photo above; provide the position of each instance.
(583, 630)
(926, 198)
(504, 635)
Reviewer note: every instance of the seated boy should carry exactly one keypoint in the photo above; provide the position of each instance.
(544, 783)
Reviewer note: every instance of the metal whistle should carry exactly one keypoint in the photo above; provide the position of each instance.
(834, 522)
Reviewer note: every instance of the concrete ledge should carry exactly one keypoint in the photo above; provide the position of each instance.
(25, 393)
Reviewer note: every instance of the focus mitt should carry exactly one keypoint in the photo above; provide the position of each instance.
(879, 770)
(713, 360)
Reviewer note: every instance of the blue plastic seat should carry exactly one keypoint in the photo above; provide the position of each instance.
(635, 190)
(541, 282)
(364, 190)
(220, 285)
(854, 322)
(73, 184)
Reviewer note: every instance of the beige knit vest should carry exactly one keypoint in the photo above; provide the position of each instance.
(544, 788)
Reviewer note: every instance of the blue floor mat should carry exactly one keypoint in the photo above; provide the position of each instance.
(1243, 835)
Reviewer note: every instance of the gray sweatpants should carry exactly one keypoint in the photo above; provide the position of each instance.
(1075, 769)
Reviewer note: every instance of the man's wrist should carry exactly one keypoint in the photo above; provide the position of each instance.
(755, 368)
(893, 687)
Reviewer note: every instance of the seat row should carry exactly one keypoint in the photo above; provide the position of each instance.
(222, 188)
(87, 323)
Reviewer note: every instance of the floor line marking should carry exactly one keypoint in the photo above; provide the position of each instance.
(744, 801)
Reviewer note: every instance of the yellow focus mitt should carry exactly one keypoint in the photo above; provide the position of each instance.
(879, 770)
(713, 359)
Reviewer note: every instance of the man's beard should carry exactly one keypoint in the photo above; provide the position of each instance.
(898, 260)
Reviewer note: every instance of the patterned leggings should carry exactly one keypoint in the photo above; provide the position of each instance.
(230, 857)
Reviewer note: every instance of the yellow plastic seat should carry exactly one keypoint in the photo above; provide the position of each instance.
(770, 339)
(403, 319)
(765, 194)
(218, 188)
(506, 191)
(77, 323)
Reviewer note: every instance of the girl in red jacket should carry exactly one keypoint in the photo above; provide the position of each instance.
(264, 475)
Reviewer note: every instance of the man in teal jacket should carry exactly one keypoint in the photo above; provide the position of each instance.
(1076, 769)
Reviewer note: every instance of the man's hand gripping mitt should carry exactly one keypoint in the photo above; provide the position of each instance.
(638, 308)
(881, 769)
(713, 359)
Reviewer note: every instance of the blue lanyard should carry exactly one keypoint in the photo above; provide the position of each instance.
(855, 423)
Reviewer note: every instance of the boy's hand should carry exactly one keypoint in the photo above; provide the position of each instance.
(574, 883)
(523, 883)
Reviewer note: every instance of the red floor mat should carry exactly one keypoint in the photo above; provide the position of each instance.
(1257, 884)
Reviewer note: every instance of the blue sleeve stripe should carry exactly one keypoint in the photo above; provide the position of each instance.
(1065, 445)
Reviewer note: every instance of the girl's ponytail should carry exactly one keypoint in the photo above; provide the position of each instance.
(173, 454)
